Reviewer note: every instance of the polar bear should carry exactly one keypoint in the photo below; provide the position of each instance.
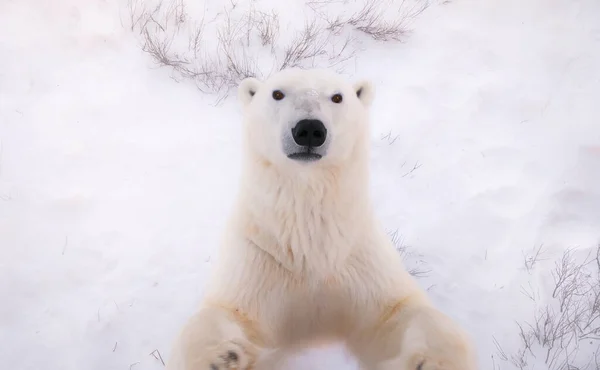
(303, 258)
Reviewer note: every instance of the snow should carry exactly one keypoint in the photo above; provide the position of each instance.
(116, 181)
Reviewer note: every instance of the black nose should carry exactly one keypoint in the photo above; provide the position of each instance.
(309, 133)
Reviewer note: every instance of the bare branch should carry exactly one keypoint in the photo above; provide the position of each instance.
(243, 36)
(405, 253)
(306, 45)
(533, 258)
(569, 319)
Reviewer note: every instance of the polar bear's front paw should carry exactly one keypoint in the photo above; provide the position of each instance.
(456, 356)
(434, 342)
(231, 355)
(433, 364)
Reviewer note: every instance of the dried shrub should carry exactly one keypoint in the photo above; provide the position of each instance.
(565, 331)
(244, 36)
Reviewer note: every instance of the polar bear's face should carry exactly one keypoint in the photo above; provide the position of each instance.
(305, 116)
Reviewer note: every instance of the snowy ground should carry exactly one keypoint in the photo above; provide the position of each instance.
(115, 181)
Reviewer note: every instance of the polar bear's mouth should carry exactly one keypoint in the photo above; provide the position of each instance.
(305, 156)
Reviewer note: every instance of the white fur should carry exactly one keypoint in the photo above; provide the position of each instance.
(303, 258)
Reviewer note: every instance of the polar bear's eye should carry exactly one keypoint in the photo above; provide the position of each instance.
(337, 98)
(278, 95)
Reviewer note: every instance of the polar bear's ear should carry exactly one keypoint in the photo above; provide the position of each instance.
(247, 88)
(365, 92)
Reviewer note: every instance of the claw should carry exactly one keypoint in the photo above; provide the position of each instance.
(232, 356)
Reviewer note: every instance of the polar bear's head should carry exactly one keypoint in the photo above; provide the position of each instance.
(305, 117)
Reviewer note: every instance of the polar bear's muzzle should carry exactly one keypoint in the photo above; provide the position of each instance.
(309, 136)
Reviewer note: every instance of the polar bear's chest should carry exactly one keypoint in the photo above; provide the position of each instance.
(325, 310)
